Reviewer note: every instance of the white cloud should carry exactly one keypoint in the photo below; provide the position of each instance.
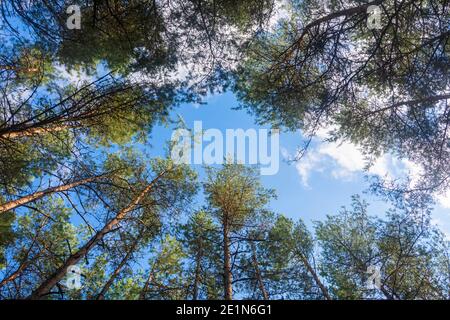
(342, 160)
(345, 160)
(280, 12)
(444, 199)
(311, 162)
(285, 153)
(347, 157)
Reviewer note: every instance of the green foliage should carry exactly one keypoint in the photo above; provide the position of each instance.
(120, 34)
(200, 237)
(403, 246)
(235, 193)
(384, 90)
(348, 242)
(166, 271)
(278, 254)
(7, 235)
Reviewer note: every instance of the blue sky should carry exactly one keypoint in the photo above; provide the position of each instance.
(320, 184)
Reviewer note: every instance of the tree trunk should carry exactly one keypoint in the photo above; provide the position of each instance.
(16, 273)
(101, 295)
(26, 261)
(37, 195)
(198, 267)
(35, 131)
(48, 284)
(315, 276)
(147, 284)
(258, 273)
(228, 277)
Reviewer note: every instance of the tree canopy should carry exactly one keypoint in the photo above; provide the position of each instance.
(384, 89)
(81, 187)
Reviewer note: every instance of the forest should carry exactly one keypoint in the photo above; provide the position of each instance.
(89, 211)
